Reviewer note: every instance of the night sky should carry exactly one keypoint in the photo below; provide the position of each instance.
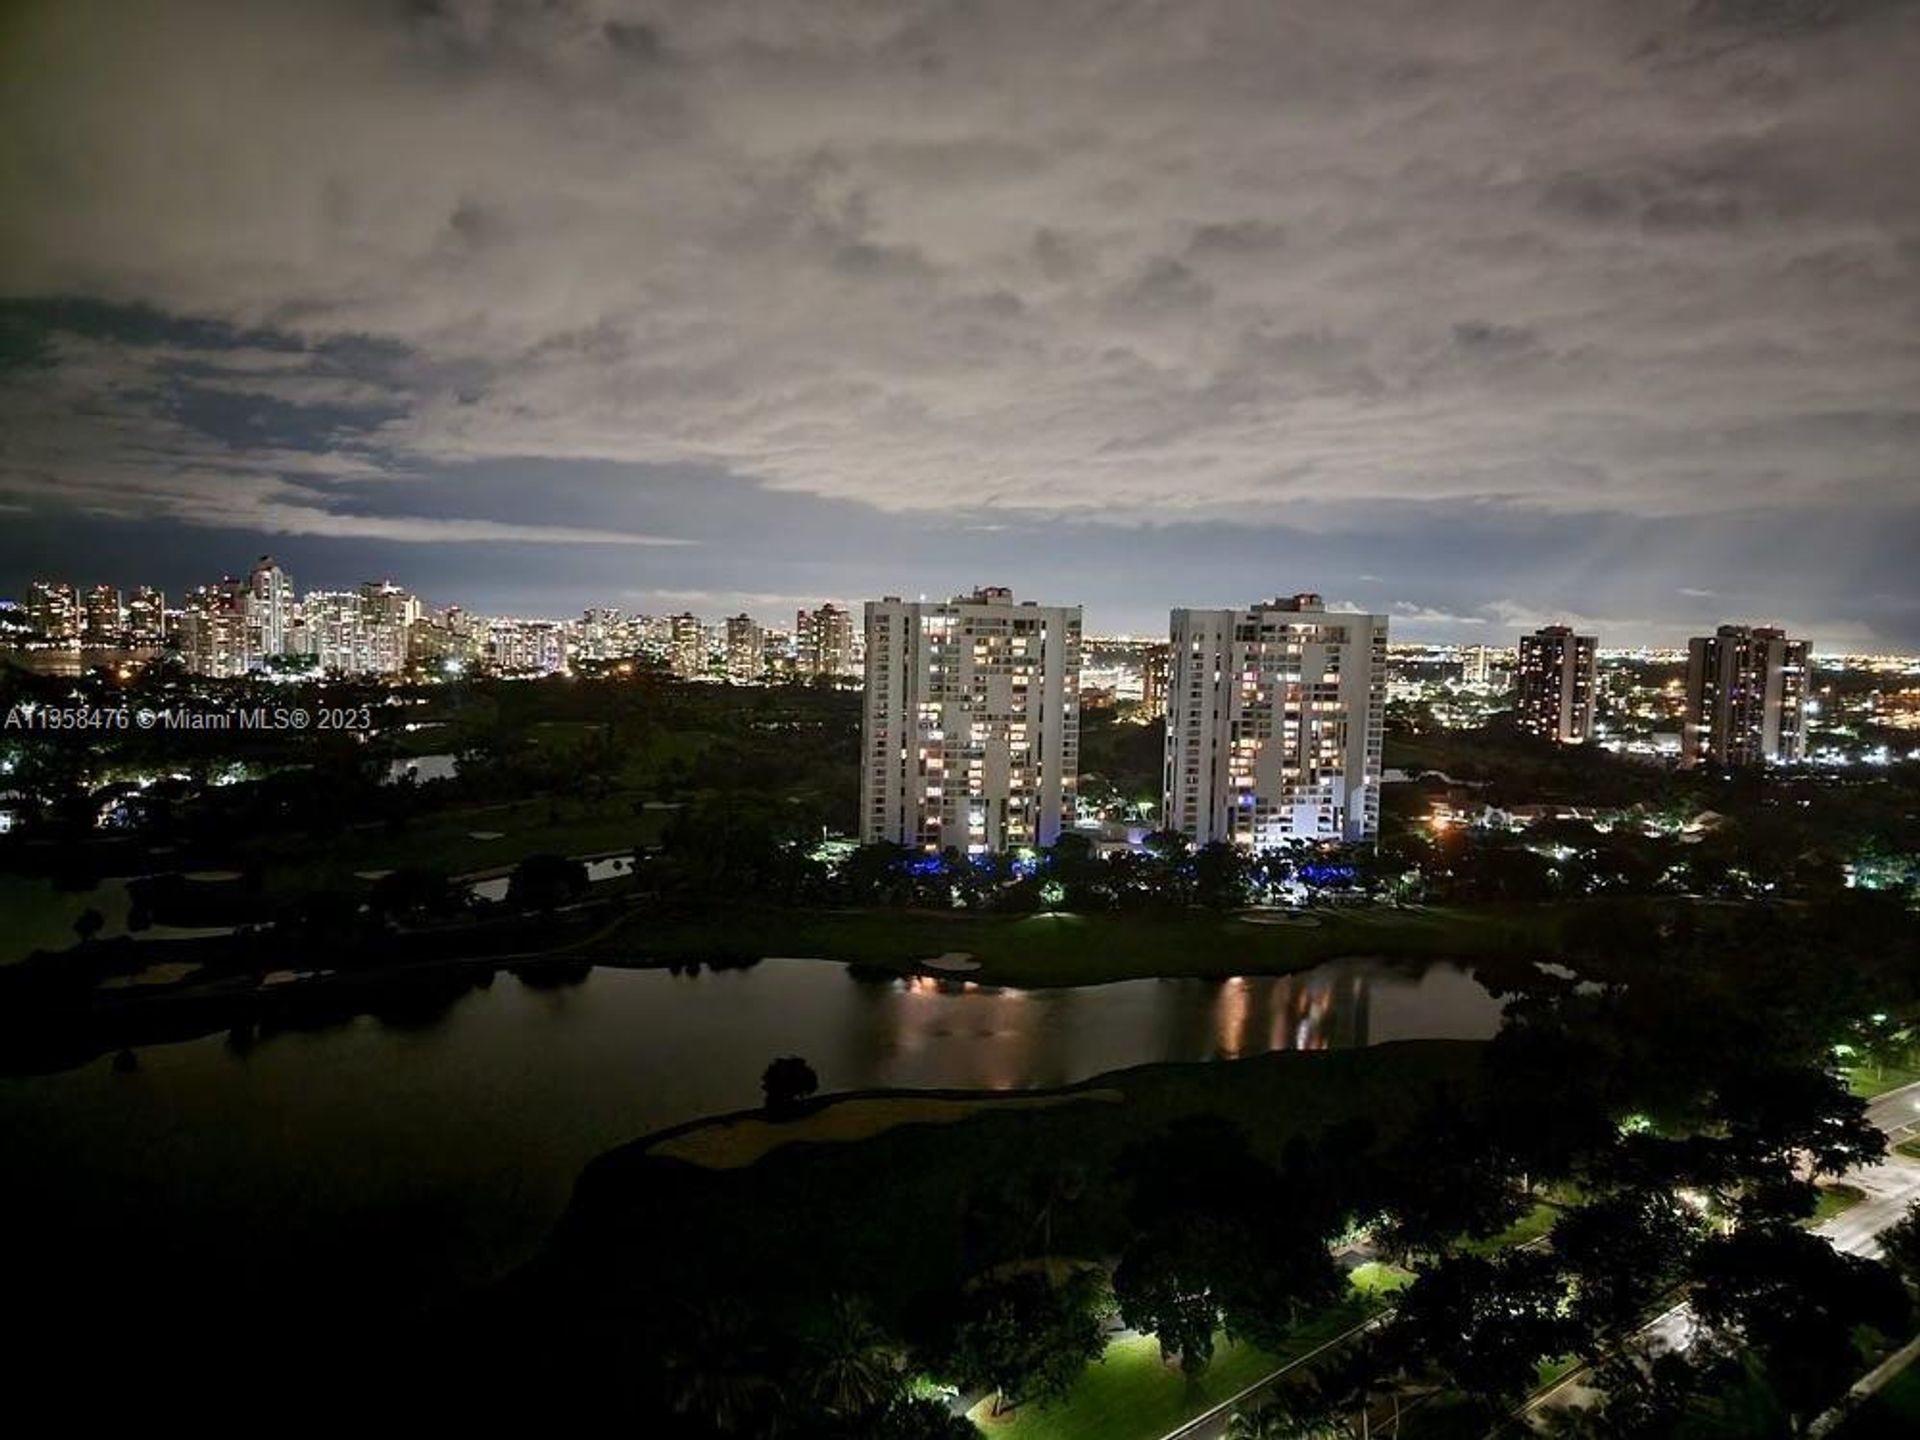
(1482, 313)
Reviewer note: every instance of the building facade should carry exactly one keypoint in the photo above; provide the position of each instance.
(215, 631)
(686, 646)
(270, 611)
(823, 641)
(1746, 697)
(146, 618)
(103, 618)
(971, 737)
(745, 648)
(1557, 680)
(1275, 720)
(53, 608)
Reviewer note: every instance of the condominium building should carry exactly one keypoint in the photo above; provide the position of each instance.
(972, 724)
(1746, 697)
(1275, 719)
(824, 641)
(387, 612)
(1557, 681)
(1156, 672)
(686, 645)
(270, 611)
(53, 608)
(215, 630)
(146, 618)
(103, 617)
(745, 648)
(527, 647)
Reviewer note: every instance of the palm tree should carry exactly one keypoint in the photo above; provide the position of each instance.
(1277, 1420)
(855, 1367)
(719, 1373)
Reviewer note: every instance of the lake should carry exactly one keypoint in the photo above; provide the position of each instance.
(399, 1159)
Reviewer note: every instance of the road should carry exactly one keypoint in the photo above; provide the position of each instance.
(1890, 1187)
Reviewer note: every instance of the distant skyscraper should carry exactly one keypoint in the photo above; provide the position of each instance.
(605, 635)
(746, 656)
(270, 612)
(972, 725)
(824, 638)
(387, 612)
(1746, 697)
(53, 607)
(103, 617)
(1557, 683)
(216, 630)
(527, 647)
(146, 618)
(687, 646)
(1275, 719)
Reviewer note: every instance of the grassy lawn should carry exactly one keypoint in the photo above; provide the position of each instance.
(1377, 1280)
(1835, 1200)
(1132, 1394)
(1866, 1082)
(1909, 1148)
(1529, 1227)
(1040, 950)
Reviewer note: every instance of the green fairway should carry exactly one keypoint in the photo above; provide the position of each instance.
(1064, 949)
(39, 917)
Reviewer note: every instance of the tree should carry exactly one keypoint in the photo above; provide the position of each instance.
(1446, 1181)
(1026, 1339)
(917, 1419)
(1222, 876)
(1487, 1323)
(412, 891)
(1780, 1116)
(1222, 1238)
(1278, 1420)
(1901, 1244)
(719, 1374)
(87, 924)
(1623, 1251)
(786, 1082)
(546, 882)
(854, 1369)
(1795, 1301)
(1164, 1284)
(1642, 1395)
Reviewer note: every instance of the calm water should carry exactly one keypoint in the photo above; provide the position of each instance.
(399, 1158)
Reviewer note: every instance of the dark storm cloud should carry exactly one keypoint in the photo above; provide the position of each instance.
(1304, 270)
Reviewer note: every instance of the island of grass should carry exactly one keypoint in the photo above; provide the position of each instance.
(1032, 951)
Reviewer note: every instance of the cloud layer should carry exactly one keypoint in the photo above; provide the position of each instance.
(1110, 259)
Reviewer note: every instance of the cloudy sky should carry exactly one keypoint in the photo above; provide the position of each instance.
(1480, 313)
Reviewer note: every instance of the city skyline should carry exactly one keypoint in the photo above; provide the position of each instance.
(1507, 315)
(771, 611)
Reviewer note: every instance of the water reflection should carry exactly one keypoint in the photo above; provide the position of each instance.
(944, 1032)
